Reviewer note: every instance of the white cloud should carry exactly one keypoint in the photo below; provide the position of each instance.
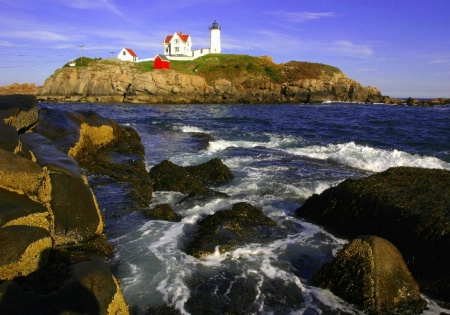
(442, 60)
(5, 43)
(95, 4)
(367, 69)
(300, 17)
(36, 35)
(347, 48)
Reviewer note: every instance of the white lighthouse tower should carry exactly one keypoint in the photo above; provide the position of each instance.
(215, 39)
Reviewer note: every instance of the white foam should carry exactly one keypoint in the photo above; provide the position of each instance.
(273, 141)
(189, 129)
(368, 158)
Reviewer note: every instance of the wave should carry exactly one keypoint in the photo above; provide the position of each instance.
(273, 141)
(368, 158)
(189, 129)
(350, 154)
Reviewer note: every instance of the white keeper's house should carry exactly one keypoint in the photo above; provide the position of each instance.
(179, 46)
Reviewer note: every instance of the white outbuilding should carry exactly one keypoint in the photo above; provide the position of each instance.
(127, 54)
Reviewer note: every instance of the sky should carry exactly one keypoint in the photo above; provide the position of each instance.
(401, 47)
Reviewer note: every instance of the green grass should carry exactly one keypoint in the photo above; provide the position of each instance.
(226, 66)
(82, 61)
(296, 70)
(230, 66)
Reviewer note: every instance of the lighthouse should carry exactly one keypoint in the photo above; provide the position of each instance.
(215, 38)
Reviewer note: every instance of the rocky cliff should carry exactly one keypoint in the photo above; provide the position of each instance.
(242, 79)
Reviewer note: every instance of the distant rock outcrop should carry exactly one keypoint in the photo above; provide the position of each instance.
(16, 88)
(116, 81)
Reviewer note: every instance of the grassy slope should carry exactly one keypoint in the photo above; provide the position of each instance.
(227, 66)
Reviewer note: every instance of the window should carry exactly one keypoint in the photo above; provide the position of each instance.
(177, 49)
(176, 41)
(124, 52)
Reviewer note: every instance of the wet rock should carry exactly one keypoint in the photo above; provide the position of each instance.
(21, 175)
(410, 207)
(213, 172)
(230, 228)
(191, 180)
(102, 147)
(46, 154)
(195, 199)
(92, 289)
(23, 250)
(19, 111)
(238, 294)
(167, 176)
(86, 287)
(75, 133)
(17, 209)
(77, 217)
(371, 273)
(163, 212)
(123, 161)
(52, 244)
(9, 139)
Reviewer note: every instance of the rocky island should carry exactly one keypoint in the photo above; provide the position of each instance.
(212, 79)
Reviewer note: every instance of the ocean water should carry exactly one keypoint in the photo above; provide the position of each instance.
(280, 155)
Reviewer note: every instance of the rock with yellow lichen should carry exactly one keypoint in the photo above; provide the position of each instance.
(371, 273)
(52, 246)
(102, 147)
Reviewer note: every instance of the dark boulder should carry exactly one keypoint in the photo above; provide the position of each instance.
(371, 273)
(163, 212)
(77, 217)
(102, 147)
(46, 154)
(235, 294)
(9, 139)
(212, 172)
(167, 176)
(230, 228)
(18, 209)
(410, 207)
(21, 175)
(19, 111)
(92, 289)
(23, 250)
(87, 287)
(191, 180)
(59, 126)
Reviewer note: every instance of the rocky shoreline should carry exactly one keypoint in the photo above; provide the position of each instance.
(32, 89)
(55, 163)
(52, 242)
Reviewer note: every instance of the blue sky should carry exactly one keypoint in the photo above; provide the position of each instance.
(401, 47)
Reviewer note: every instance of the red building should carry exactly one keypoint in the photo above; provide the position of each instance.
(161, 62)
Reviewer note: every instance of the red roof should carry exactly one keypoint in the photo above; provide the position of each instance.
(184, 37)
(131, 52)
